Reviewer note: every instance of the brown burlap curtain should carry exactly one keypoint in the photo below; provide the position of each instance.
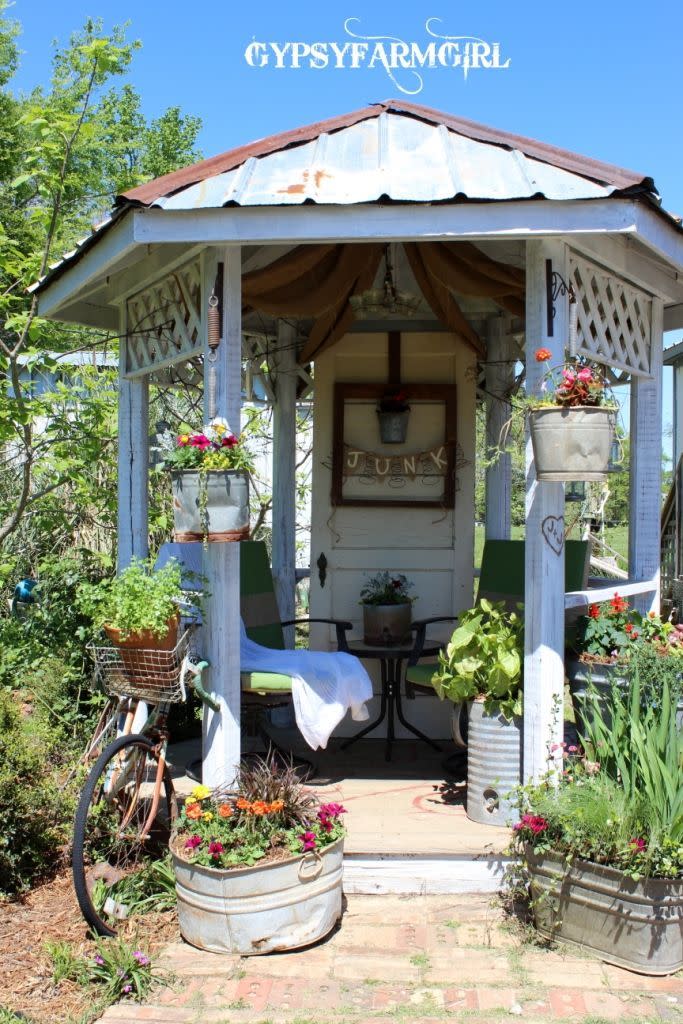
(317, 281)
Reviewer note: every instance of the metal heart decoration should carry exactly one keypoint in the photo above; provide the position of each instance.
(552, 529)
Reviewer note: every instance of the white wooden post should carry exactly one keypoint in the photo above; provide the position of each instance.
(284, 475)
(678, 411)
(544, 546)
(500, 377)
(645, 500)
(133, 462)
(221, 562)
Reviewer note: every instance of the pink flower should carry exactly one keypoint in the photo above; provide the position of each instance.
(308, 840)
(569, 376)
(331, 810)
(200, 441)
(584, 374)
(215, 849)
(193, 842)
(229, 441)
(534, 822)
(638, 845)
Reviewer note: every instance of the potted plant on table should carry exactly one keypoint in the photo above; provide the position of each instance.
(210, 482)
(259, 866)
(572, 423)
(387, 609)
(602, 849)
(482, 665)
(612, 641)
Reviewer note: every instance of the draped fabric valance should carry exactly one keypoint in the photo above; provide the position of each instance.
(317, 281)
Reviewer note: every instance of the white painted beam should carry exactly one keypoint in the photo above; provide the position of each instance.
(500, 377)
(221, 562)
(600, 592)
(673, 317)
(645, 497)
(544, 545)
(284, 474)
(133, 461)
(678, 412)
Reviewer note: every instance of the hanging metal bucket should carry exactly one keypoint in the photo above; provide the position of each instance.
(386, 625)
(494, 760)
(227, 505)
(572, 444)
(393, 426)
(262, 909)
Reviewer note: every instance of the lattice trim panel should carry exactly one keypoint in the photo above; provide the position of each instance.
(164, 322)
(614, 318)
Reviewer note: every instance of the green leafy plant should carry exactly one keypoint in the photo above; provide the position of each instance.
(214, 448)
(386, 588)
(151, 888)
(268, 812)
(141, 598)
(484, 658)
(121, 970)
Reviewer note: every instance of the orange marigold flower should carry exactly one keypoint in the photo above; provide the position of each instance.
(277, 805)
(242, 804)
(542, 355)
(259, 807)
(193, 811)
(224, 811)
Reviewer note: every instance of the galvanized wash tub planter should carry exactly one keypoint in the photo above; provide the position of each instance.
(590, 685)
(572, 444)
(214, 504)
(638, 925)
(494, 759)
(393, 426)
(386, 624)
(261, 909)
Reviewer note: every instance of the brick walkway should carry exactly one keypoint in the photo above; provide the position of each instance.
(419, 959)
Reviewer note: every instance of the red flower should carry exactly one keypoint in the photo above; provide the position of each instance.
(542, 355)
(534, 822)
(594, 611)
(628, 627)
(200, 441)
(193, 842)
(215, 849)
(229, 441)
(638, 845)
(618, 604)
(308, 840)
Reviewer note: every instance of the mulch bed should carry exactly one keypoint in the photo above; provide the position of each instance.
(50, 914)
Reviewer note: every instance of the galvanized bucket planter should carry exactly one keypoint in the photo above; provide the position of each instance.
(266, 908)
(225, 496)
(638, 925)
(572, 444)
(494, 759)
(393, 426)
(591, 685)
(386, 625)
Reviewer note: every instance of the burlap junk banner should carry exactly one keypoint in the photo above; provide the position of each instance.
(318, 280)
(377, 466)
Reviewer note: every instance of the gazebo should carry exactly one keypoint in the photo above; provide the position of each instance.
(492, 232)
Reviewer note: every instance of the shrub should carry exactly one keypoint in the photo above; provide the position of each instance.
(33, 812)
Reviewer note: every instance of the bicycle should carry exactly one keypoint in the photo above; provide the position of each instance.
(127, 806)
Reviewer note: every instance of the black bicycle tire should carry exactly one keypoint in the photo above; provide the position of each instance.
(78, 866)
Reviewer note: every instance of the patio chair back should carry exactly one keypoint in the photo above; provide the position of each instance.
(502, 569)
(258, 604)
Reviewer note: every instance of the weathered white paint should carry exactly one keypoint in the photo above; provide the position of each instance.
(221, 729)
(500, 377)
(544, 564)
(434, 548)
(673, 317)
(284, 474)
(133, 461)
(646, 470)
(678, 411)
(599, 592)
(373, 874)
(221, 566)
(626, 256)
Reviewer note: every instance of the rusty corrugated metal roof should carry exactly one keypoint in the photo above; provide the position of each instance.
(517, 147)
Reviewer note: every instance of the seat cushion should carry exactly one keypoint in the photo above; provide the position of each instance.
(421, 675)
(265, 682)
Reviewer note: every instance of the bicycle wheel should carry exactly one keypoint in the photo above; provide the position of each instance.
(105, 730)
(117, 832)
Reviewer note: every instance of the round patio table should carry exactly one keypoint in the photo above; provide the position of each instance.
(391, 665)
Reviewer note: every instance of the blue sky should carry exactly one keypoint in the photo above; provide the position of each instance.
(599, 79)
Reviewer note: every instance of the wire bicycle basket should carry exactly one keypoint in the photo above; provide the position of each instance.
(151, 675)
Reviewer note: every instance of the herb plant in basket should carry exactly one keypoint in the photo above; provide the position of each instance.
(572, 422)
(387, 608)
(210, 482)
(259, 866)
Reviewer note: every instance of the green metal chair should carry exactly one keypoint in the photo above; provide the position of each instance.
(261, 617)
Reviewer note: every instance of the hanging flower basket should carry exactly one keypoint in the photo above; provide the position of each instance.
(572, 443)
(212, 504)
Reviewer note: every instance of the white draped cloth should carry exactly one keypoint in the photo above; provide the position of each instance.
(325, 685)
